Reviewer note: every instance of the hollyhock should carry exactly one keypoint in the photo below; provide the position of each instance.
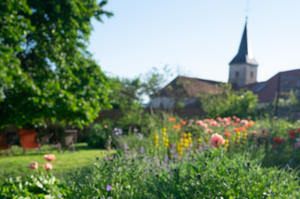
(217, 140)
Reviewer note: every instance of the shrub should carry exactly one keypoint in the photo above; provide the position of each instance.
(230, 103)
(98, 136)
(103, 135)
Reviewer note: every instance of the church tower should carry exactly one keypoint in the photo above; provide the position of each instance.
(243, 67)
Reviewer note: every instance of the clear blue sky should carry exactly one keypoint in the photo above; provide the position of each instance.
(199, 37)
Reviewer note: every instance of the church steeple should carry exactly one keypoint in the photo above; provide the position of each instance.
(244, 55)
(243, 67)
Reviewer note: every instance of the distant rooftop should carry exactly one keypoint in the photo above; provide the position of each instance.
(183, 86)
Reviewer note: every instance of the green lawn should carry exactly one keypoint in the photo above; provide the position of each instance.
(17, 164)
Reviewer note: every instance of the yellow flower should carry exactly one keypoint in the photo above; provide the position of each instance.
(226, 142)
(156, 141)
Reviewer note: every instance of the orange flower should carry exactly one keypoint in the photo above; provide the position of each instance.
(235, 124)
(243, 129)
(48, 166)
(172, 119)
(251, 123)
(49, 157)
(34, 165)
(176, 126)
(236, 129)
(227, 134)
(183, 123)
(217, 140)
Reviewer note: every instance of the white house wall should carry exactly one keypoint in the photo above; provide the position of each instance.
(169, 103)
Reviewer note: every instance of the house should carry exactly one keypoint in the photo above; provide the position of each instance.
(184, 91)
(280, 84)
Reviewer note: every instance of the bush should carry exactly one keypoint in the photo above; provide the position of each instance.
(98, 136)
(230, 103)
(103, 135)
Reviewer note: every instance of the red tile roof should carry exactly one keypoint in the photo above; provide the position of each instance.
(281, 82)
(189, 87)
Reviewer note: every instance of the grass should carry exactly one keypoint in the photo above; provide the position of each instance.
(17, 164)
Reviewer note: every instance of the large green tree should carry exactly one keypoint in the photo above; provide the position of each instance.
(46, 72)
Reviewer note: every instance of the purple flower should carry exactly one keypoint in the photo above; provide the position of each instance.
(118, 132)
(108, 188)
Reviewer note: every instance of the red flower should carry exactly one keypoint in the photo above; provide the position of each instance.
(278, 140)
(183, 123)
(292, 134)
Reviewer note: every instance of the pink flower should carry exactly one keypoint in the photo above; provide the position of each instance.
(198, 122)
(34, 165)
(105, 126)
(204, 125)
(209, 131)
(49, 157)
(48, 166)
(216, 140)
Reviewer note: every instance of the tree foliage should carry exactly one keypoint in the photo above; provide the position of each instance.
(46, 72)
(229, 103)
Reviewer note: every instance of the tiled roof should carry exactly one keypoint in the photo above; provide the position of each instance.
(283, 82)
(189, 87)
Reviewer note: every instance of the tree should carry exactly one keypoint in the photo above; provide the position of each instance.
(229, 103)
(46, 72)
(155, 79)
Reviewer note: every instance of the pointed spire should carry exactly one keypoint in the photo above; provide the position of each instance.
(244, 55)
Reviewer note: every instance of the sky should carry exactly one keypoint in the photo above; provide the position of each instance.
(196, 38)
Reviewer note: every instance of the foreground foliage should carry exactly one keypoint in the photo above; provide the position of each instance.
(209, 174)
(45, 69)
(209, 158)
